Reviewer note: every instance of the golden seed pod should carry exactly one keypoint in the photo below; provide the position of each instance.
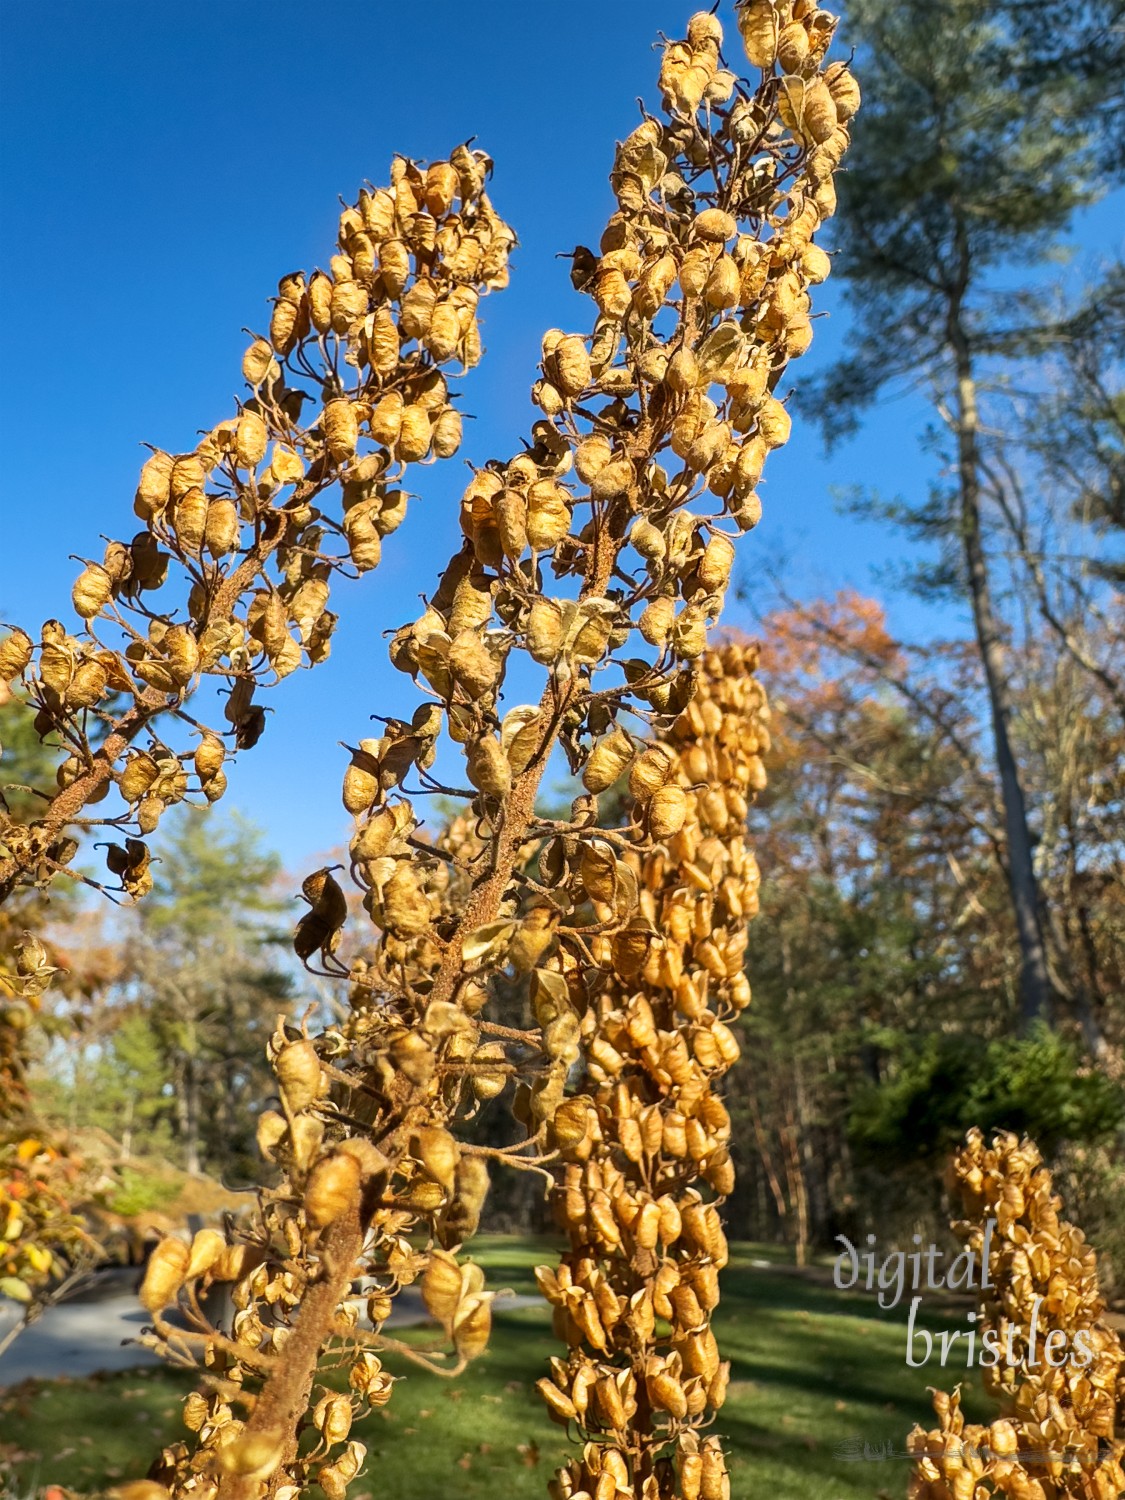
(250, 439)
(774, 423)
(548, 514)
(414, 435)
(320, 301)
(815, 263)
(842, 85)
(689, 633)
(347, 306)
(446, 436)
(544, 631)
(341, 429)
(472, 1326)
(206, 1248)
(333, 1188)
(657, 620)
(488, 768)
(252, 1455)
(297, 1068)
(164, 1275)
(609, 759)
(722, 288)
(439, 1154)
(221, 529)
(332, 1418)
(92, 589)
(154, 487)
(695, 270)
(715, 565)
(792, 47)
(715, 225)
(591, 456)
(808, 108)
(257, 362)
(15, 654)
(666, 812)
(570, 365)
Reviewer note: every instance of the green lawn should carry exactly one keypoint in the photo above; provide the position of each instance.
(812, 1369)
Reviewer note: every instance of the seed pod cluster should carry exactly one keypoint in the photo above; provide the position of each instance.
(1060, 1428)
(245, 522)
(639, 1190)
(608, 542)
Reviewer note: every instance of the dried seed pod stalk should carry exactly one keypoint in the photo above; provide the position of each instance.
(603, 552)
(639, 1187)
(249, 528)
(1061, 1387)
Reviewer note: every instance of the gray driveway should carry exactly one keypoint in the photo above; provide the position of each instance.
(90, 1331)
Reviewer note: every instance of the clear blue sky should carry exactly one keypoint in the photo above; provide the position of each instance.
(165, 164)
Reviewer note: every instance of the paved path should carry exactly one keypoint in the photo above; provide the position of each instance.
(88, 1332)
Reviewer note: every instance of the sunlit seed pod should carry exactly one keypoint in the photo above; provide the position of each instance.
(714, 225)
(164, 1274)
(723, 285)
(258, 363)
(394, 267)
(544, 631)
(611, 293)
(341, 429)
(206, 1247)
(189, 520)
(695, 271)
(808, 108)
(153, 489)
(591, 456)
(609, 760)
(250, 439)
(284, 326)
(815, 263)
(347, 305)
(715, 565)
(297, 1068)
(675, 1134)
(666, 1393)
(657, 620)
(774, 423)
(509, 509)
(92, 590)
(792, 47)
(844, 89)
(683, 374)
(415, 435)
(548, 514)
(271, 1131)
(655, 283)
(570, 366)
(439, 1154)
(691, 1463)
(613, 479)
(558, 1404)
(385, 421)
(488, 768)
(251, 1455)
(548, 398)
(332, 1189)
(689, 633)
(181, 650)
(320, 301)
(332, 1417)
(221, 528)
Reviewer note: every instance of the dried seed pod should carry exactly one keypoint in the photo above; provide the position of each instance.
(333, 1188)
(609, 760)
(297, 1067)
(92, 590)
(165, 1274)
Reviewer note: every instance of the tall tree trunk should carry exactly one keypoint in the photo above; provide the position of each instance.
(1035, 988)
